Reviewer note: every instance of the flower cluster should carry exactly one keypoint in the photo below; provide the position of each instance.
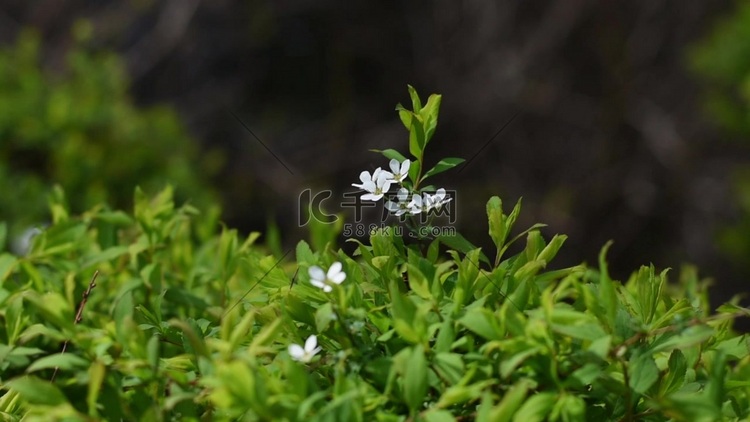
(378, 183)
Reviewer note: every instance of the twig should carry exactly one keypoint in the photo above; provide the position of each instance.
(79, 315)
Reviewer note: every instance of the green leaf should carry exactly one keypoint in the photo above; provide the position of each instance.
(443, 165)
(450, 366)
(104, 256)
(391, 154)
(480, 321)
(429, 114)
(511, 401)
(324, 315)
(116, 218)
(461, 394)
(689, 337)
(416, 103)
(416, 139)
(536, 408)
(607, 294)
(7, 263)
(97, 372)
(304, 254)
(415, 379)
(643, 373)
(65, 362)
(405, 115)
(437, 415)
(36, 391)
(461, 244)
(675, 377)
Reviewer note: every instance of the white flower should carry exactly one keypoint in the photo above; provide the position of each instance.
(377, 184)
(419, 203)
(324, 281)
(402, 206)
(438, 199)
(305, 354)
(426, 202)
(399, 173)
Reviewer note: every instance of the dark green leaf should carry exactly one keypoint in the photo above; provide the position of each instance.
(443, 165)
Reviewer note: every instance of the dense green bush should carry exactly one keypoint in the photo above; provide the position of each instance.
(187, 324)
(78, 128)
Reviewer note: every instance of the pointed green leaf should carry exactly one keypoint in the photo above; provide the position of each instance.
(415, 379)
(391, 154)
(443, 165)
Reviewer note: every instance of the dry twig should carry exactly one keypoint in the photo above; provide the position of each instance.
(79, 315)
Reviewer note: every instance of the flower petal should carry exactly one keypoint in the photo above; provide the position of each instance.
(319, 284)
(405, 167)
(392, 207)
(337, 278)
(311, 343)
(394, 164)
(403, 194)
(371, 197)
(334, 269)
(327, 288)
(365, 177)
(296, 351)
(369, 186)
(316, 273)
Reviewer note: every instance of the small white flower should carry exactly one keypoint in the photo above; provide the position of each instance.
(305, 354)
(426, 202)
(438, 199)
(324, 281)
(420, 203)
(399, 172)
(376, 184)
(402, 206)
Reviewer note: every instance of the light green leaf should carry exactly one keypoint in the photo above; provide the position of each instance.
(97, 371)
(437, 415)
(304, 254)
(65, 362)
(536, 408)
(7, 262)
(511, 401)
(416, 103)
(36, 391)
(415, 379)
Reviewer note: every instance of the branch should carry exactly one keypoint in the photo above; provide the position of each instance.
(79, 315)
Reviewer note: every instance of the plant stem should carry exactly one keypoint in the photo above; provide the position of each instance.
(79, 315)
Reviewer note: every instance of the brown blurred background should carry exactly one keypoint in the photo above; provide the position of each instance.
(611, 139)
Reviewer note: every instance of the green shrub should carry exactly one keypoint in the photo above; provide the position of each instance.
(80, 129)
(187, 324)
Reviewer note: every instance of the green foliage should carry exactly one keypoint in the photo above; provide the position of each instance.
(186, 323)
(79, 129)
(722, 60)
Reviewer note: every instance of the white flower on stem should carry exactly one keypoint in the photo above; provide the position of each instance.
(305, 354)
(325, 281)
(438, 199)
(402, 206)
(399, 170)
(376, 184)
(419, 203)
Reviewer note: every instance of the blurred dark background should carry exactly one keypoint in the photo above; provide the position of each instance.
(630, 115)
